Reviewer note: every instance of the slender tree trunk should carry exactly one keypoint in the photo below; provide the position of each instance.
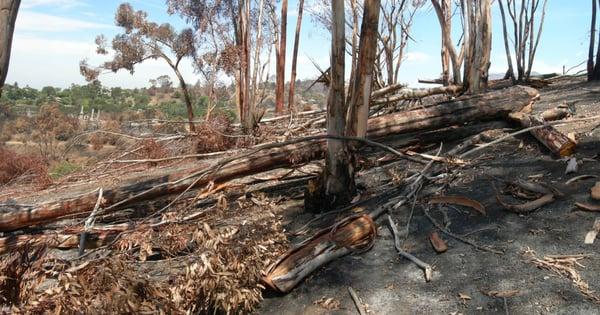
(8, 17)
(597, 65)
(486, 38)
(521, 43)
(336, 185)
(590, 63)
(446, 7)
(443, 16)
(279, 90)
(187, 99)
(533, 46)
(510, 73)
(356, 124)
(354, 52)
(248, 117)
(295, 55)
(258, 44)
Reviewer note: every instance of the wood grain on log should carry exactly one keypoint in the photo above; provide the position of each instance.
(353, 233)
(551, 138)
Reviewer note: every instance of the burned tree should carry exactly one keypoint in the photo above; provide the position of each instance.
(443, 11)
(394, 34)
(525, 37)
(8, 17)
(295, 55)
(358, 113)
(144, 40)
(336, 185)
(280, 52)
(475, 49)
(593, 68)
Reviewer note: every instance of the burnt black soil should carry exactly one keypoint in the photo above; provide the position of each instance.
(391, 285)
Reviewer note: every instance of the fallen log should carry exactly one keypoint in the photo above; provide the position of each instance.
(406, 94)
(355, 233)
(387, 90)
(494, 104)
(272, 156)
(549, 136)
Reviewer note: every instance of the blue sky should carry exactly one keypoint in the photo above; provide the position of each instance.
(52, 36)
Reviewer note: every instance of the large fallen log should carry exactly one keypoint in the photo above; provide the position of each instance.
(406, 94)
(550, 137)
(272, 156)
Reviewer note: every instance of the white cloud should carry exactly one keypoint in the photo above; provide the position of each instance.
(63, 4)
(40, 22)
(416, 56)
(38, 45)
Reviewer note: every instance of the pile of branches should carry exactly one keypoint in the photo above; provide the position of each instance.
(209, 261)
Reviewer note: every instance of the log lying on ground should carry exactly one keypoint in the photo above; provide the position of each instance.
(551, 138)
(351, 234)
(474, 108)
(495, 104)
(406, 94)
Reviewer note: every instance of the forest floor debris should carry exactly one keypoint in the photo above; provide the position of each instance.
(209, 249)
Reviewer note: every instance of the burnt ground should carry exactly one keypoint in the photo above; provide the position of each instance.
(391, 285)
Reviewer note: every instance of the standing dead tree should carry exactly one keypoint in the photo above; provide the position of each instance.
(477, 15)
(358, 109)
(393, 36)
(295, 55)
(475, 49)
(280, 52)
(593, 68)
(336, 185)
(144, 40)
(8, 17)
(443, 10)
(525, 37)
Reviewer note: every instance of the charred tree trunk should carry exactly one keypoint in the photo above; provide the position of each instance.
(510, 73)
(596, 74)
(358, 114)
(336, 185)
(280, 77)
(8, 17)
(590, 62)
(295, 55)
(187, 98)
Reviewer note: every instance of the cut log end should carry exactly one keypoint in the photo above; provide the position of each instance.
(355, 233)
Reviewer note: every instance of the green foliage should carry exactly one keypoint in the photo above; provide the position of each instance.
(18, 101)
(63, 168)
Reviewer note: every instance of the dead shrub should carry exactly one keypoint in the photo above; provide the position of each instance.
(215, 135)
(13, 166)
(22, 125)
(152, 149)
(97, 141)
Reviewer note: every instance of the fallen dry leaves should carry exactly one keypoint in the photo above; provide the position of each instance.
(459, 200)
(328, 303)
(565, 266)
(439, 245)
